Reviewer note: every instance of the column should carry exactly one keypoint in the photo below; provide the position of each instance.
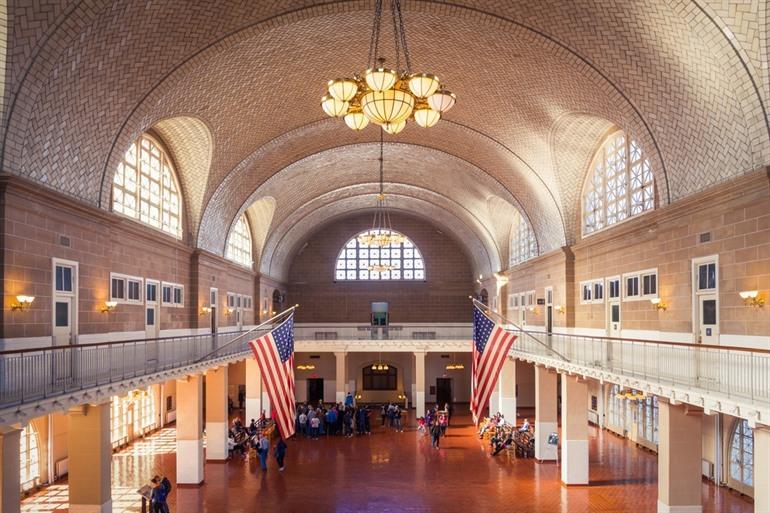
(340, 376)
(679, 458)
(253, 390)
(574, 430)
(494, 401)
(189, 430)
(761, 469)
(90, 459)
(545, 413)
(419, 387)
(507, 390)
(217, 414)
(10, 496)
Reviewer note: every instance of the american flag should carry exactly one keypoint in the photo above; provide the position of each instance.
(491, 344)
(275, 354)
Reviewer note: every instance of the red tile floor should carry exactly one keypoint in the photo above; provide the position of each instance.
(396, 472)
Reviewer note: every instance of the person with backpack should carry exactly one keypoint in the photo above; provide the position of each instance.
(280, 453)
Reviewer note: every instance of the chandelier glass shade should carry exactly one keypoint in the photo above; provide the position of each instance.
(384, 96)
(380, 366)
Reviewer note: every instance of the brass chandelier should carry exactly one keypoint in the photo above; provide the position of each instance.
(387, 96)
(380, 366)
(382, 234)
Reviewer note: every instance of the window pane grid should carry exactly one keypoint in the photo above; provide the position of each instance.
(523, 242)
(621, 185)
(742, 453)
(355, 259)
(239, 243)
(144, 188)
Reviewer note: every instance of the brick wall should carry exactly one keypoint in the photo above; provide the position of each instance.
(443, 297)
(33, 222)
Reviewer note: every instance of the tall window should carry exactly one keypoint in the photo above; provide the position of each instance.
(380, 379)
(137, 410)
(355, 259)
(239, 243)
(523, 242)
(145, 187)
(742, 453)
(29, 458)
(619, 185)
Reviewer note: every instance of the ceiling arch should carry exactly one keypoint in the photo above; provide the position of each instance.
(88, 77)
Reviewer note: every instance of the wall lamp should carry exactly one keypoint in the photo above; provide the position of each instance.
(109, 306)
(205, 310)
(752, 298)
(229, 311)
(658, 304)
(560, 309)
(23, 302)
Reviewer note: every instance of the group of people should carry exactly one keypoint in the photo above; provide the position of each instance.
(434, 424)
(257, 437)
(503, 434)
(339, 419)
(391, 414)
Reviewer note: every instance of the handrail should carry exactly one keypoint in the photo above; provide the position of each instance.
(115, 342)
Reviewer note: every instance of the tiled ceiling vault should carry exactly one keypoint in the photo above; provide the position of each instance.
(233, 88)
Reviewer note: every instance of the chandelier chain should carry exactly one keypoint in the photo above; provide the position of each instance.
(396, 38)
(382, 163)
(402, 32)
(374, 43)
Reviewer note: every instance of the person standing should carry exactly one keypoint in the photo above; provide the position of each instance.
(349, 400)
(263, 450)
(303, 423)
(280, 453)
(158, 496)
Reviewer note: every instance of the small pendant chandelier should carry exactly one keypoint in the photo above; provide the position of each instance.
(454, 365)
(384, 96)
(382, 234)
(379, 366)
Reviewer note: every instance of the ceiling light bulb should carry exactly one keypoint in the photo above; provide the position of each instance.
(343, 89)
(442, 100)
(334, 107)
(423, 85)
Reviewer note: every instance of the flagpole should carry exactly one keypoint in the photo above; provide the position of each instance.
(255, 328)
(507, 321)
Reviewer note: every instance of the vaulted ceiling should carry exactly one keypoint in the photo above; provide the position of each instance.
(233, 88)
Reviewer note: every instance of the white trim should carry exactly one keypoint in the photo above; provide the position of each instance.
(174, 286)
(607, 287)
(158, 292)
(72, 296)
(126, 279)
(639, 275)
(753, 341)
(695, 293)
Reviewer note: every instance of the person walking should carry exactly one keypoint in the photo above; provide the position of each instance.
(435, 433)
(280, 453)
(263, 450)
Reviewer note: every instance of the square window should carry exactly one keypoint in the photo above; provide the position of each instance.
(166, 293)
(649, 284)
(63, 278)
(419, 275)
(118, 288)
(177, 295)
(632, 286)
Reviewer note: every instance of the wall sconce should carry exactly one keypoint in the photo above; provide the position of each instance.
(658, 304)
(501, 279)
(205, 310)
(532, 309)
(109, 306)
(752, 298)
(560, 309)
(229, 311)
(23, 302)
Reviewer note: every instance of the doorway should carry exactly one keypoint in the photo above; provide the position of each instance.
(549, 310)
(213, 304)
(65, 300)
(443, 391)
(315, 390)
(151, 322)
(706, 299)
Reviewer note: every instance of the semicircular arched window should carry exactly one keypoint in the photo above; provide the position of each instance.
(619, 184)
(239, 243)
(357, 261)
(742, 453)
(523, 242)
(145, 187)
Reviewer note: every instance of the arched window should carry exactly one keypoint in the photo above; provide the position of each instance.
(29, 457)
(356, 261)
(239, 243)
(145, 187)
(523, 242)
(619, 184)
(742, 453)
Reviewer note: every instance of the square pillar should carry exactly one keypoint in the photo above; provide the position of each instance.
(506, 386)
(546, 421)
(90, 459)
(680, 449)
(10, 494)
(762, 469)
(574, 431)
(340, 376)
(189, 430)
(494, 401)
(419, 384)
(253, 390)
(216, 414)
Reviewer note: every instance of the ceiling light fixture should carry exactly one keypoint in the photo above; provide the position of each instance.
(384, 96)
